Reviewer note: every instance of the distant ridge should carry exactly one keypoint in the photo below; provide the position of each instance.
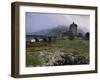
(56, 31)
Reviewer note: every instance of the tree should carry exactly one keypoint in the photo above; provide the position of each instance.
(71, 36)
(87, 36)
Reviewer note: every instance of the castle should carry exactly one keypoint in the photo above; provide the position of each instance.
(73, 28)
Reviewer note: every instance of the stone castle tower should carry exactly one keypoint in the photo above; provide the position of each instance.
(73, 28)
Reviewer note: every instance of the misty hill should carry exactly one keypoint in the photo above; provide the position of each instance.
(55, 31)
(52, 31)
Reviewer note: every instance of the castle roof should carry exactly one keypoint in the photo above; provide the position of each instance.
(73, 24)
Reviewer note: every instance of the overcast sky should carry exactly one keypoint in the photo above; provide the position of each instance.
(39, 21)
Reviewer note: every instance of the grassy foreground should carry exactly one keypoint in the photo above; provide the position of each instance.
(39, 53)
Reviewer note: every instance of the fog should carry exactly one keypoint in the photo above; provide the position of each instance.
(39, 21)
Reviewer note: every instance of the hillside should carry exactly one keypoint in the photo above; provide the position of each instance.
(55, 31)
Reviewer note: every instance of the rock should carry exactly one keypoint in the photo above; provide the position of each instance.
(41, 54)
(57, 59)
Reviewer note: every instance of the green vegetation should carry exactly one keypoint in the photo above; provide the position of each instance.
(77, 46)
(80, 35)
(71, 36)
(87, 35)
(33, 60)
